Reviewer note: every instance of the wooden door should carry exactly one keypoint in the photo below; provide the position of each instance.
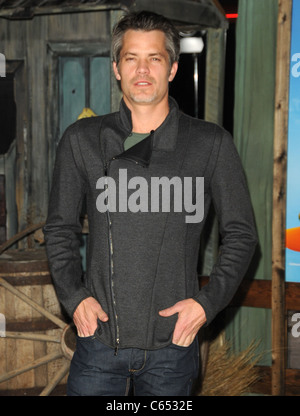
(84, 82)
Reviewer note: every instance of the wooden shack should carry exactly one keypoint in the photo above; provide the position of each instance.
(58, 63)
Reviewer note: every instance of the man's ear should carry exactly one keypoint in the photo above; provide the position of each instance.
(173, 71)
(116, 72)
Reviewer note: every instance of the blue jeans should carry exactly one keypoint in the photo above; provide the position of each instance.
(96, 371)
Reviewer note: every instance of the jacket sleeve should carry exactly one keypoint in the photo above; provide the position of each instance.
(63, 228)
(230, 196)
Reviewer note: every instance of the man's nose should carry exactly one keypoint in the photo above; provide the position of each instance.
(142, 67)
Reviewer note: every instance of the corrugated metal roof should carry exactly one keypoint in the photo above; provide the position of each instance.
(11, 4)
(205, 13)
(26, 9)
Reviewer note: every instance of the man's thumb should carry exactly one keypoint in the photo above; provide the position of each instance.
(102, 315)
(168, 311)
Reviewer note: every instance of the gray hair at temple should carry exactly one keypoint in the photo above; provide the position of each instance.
(146, 21)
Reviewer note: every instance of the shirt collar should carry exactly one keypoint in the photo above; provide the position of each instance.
(165, 135)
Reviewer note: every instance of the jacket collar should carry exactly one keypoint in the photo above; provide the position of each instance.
(165, 136)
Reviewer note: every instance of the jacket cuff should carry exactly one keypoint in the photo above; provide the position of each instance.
(71, 304)
(202, 300)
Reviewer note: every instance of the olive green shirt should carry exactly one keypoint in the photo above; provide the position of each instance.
(133, 139)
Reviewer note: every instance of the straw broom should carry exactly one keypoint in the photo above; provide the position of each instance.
(229, 374)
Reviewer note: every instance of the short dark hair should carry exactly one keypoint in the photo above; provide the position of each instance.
(146, 21)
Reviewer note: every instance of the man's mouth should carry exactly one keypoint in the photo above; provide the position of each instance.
(142, 83)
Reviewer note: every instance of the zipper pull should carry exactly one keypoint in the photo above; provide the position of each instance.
(117, 347)
(106, 166)
(105, 177)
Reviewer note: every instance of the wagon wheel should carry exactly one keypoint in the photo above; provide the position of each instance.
(67, 337)
(66, 340)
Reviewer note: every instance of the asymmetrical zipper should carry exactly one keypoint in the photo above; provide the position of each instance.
(143, 163)
(111, 266)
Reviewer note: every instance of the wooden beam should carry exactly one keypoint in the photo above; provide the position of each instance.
(292, 382)
(279, 196)
(258, 294)
(254, 293)
(83, 48)
(213, 112)
(264, 384)
(214, 80)
(292, 296)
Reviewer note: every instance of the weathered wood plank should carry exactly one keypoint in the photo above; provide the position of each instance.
(2, 210)
(36, 34)
(26, 325)
(292, 296)
(279, 195)
(264, 384)
(68, 27)
(214, 80)
(13, 42)
(115, 91)
(258, 294)
(29, 335)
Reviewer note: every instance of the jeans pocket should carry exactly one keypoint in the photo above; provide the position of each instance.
(97, 333)
(85, 339)
(181, 347)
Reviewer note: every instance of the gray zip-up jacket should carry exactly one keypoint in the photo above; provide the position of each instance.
(139, 263)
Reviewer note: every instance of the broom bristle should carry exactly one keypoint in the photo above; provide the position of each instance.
(228, 374)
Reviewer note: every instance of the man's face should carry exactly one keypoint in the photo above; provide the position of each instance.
(144, 68)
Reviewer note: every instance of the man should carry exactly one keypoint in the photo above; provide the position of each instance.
(138, 309)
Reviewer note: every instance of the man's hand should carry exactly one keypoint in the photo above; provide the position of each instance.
(191, 317)
(86, 315)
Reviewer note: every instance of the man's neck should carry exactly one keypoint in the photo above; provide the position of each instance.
(147, 117)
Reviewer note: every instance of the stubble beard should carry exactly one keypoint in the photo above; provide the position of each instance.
(140, 97)
(143, 100)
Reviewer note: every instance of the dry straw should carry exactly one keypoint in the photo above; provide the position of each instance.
(228, 374)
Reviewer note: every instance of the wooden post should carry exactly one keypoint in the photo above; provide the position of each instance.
(214, 102)
(215, 70)
(279, 197)
(116, 93)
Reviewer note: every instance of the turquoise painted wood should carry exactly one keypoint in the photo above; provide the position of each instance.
(71, 90)
(83, 82)
(100, 85)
